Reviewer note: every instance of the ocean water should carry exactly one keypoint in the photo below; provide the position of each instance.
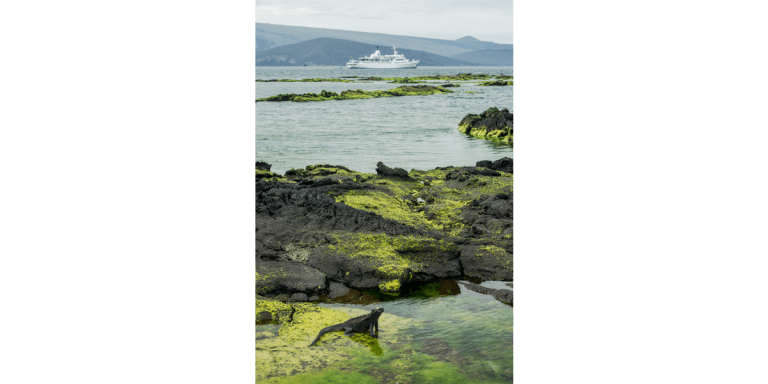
(415, 132)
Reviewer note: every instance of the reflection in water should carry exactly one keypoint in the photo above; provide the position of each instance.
(372, 344)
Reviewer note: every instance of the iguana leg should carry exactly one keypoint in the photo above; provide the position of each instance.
(347, 331)
(370, 329)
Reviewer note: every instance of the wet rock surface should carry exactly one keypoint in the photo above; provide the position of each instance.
(382, 169)
(505, 164)
(326, 232)
(278, 277)
(503, 295)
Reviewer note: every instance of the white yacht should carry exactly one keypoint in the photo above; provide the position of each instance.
(379, 61)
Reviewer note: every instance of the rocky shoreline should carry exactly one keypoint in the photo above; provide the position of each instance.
(325, 231)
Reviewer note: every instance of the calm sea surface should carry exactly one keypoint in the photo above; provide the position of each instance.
(408, 132)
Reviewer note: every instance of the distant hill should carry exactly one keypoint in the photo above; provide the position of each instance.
(269, 36)
(468, 39)
(489, 56)
(328, 51)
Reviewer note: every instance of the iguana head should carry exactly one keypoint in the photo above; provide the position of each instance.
(377, 310)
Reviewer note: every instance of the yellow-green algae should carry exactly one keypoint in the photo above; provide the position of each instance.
(492, 251)
(444, 199)
(486, 356)
(398, 357)
(264, 279)
(278, 311)
(288, 353)
(416, 90)
(390, 287)
(487, 133)
(263, 174)
(393, 257)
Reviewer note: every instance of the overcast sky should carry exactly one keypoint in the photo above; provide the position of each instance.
(488, 20)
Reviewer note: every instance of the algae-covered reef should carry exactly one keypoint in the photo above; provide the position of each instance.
(459, 77)
(415, 90)
(492, 124)
(387, 231)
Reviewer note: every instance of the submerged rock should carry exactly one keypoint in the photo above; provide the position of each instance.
(503, 295)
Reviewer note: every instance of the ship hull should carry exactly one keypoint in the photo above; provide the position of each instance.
(412, 64)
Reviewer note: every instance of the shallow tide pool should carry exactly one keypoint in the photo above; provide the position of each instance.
(442, 333)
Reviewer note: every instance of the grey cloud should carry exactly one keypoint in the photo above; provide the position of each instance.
(441, 19)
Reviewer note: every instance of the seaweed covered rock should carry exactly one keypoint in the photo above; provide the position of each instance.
(495, 83)
(415, 90)
(263, 171)
(312, 172)
(486, 262)
(491, 124)
(269, 310)
(383, 232)
(369, 261)
(279, 277)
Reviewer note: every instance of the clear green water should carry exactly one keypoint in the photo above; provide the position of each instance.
(463, 338)
(418, 132)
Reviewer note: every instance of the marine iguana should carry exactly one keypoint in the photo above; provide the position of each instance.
(355, 324)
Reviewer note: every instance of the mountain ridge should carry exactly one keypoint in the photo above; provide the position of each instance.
(269, 36)
(488, 56)
(330, 51)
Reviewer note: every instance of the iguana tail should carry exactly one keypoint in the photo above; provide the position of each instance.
(337, 327)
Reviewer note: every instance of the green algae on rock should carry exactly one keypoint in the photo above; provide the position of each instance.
(272, 311)
(386, 262)
(263, 171)
(495, 83)
(492, 124)
(405, 80)
(330, 80)
(416, 90)
(350, 226)
(287, 354)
